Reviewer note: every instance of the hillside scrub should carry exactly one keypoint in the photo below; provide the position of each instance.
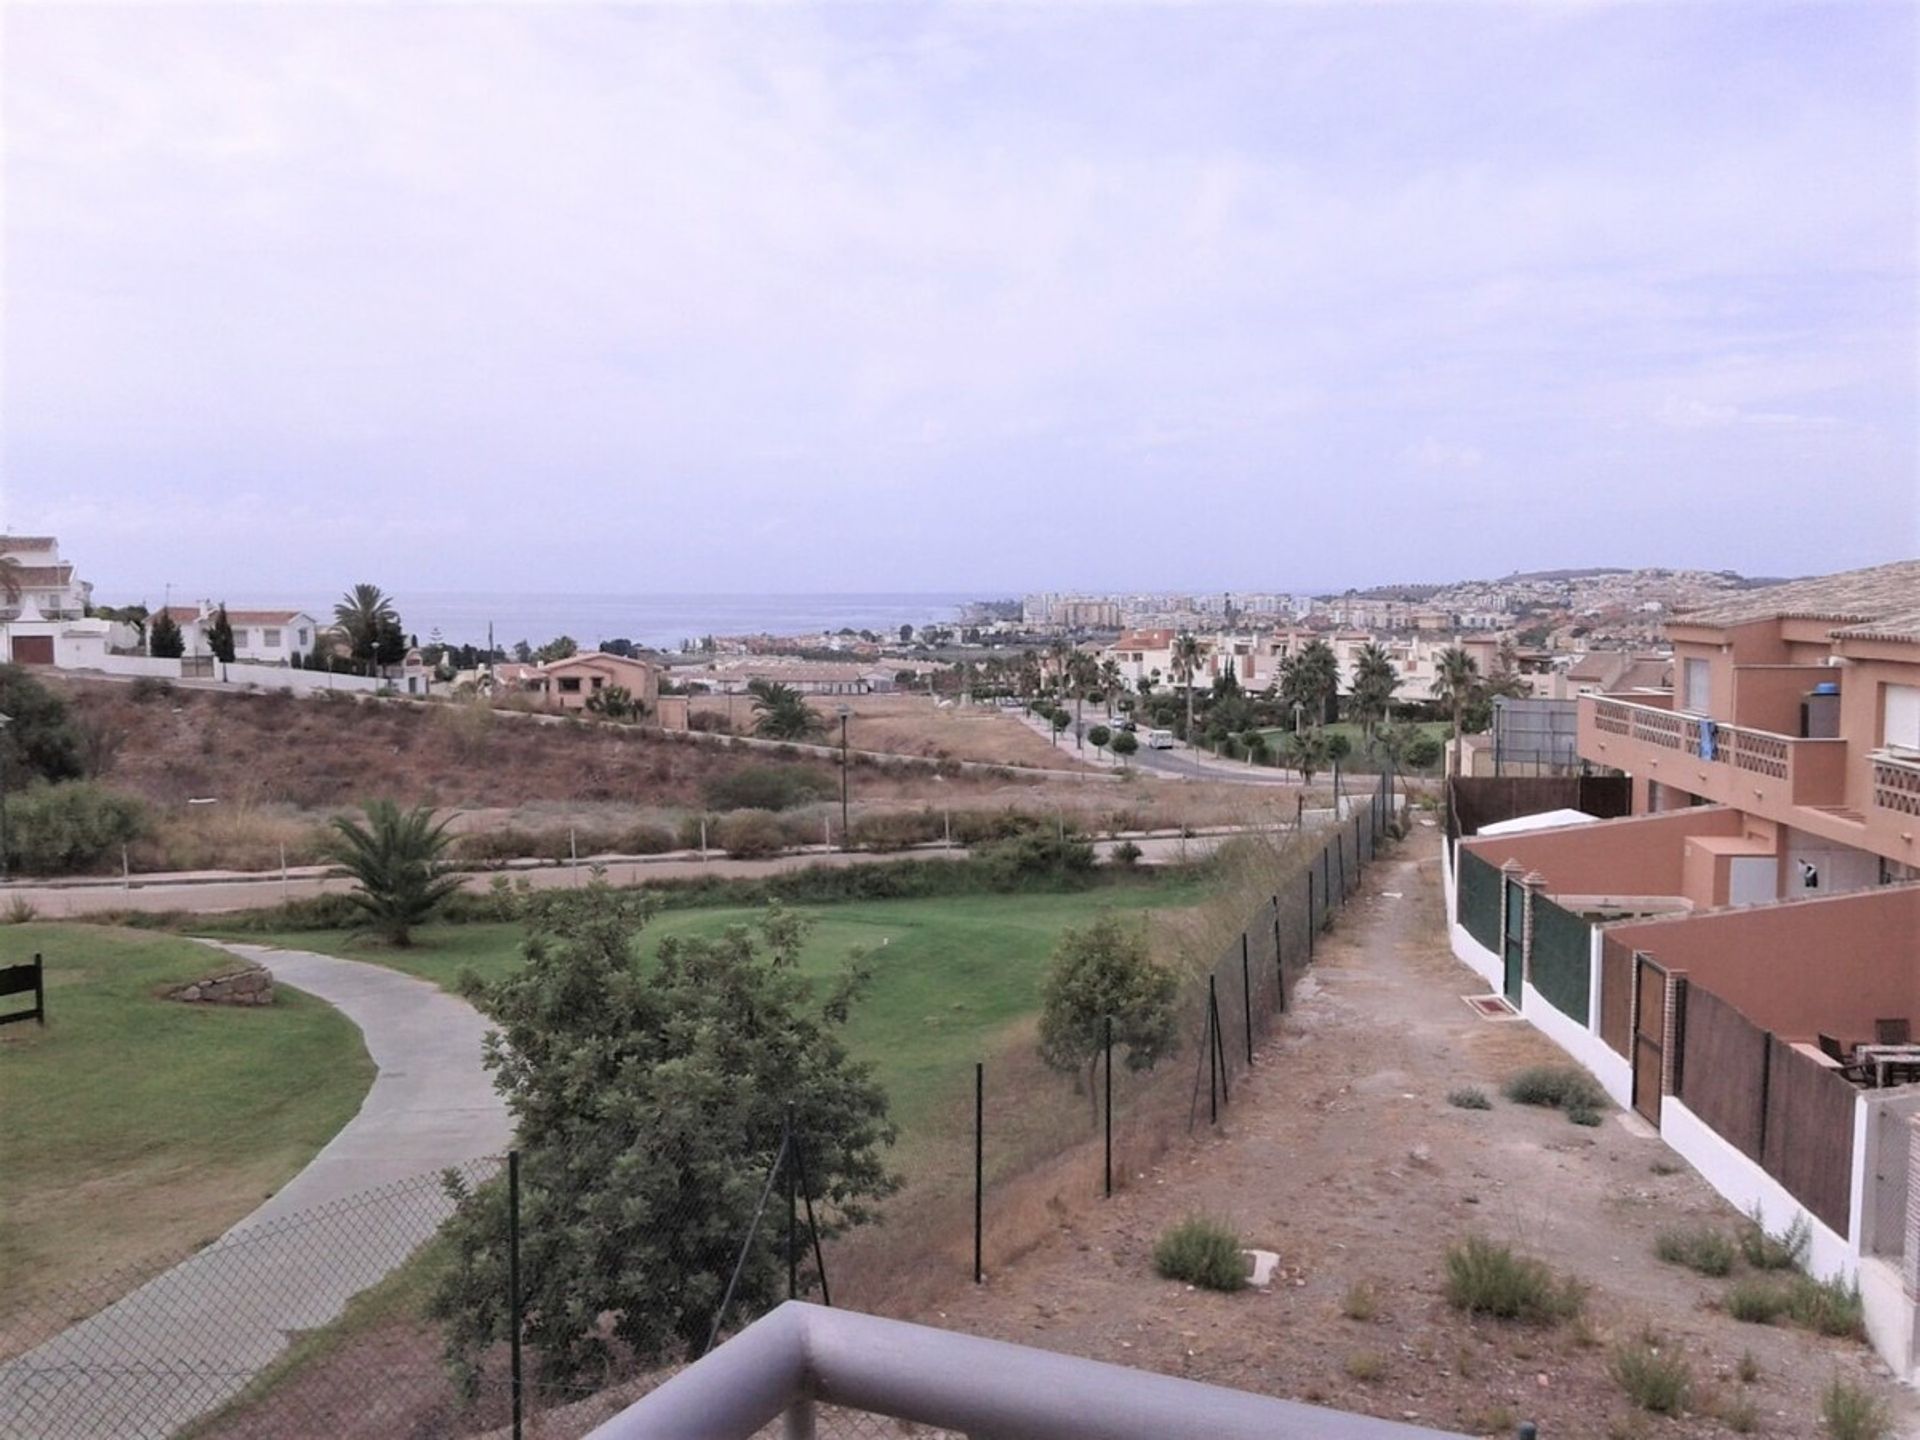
(73, 826)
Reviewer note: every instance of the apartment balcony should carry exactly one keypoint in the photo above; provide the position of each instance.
(1756, 770)
(1896, 784)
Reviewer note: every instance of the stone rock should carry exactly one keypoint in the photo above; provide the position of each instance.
(250, 985)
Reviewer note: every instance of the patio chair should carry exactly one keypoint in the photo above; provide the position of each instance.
(1842, 1056)
(1892, 1032)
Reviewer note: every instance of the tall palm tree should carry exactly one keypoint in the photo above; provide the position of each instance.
(10, 580)
(1456, 681)
(363, 612)
(1374, 681)
(1111, 681)
(781, 712)
(1186, 665)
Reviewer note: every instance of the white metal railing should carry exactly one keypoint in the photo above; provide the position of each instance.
(1896, 784)
(800, 1356)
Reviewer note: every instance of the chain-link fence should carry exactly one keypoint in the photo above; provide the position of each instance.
(542, 1291)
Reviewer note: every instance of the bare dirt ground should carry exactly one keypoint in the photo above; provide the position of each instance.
(916, 725)
(1342, 1154)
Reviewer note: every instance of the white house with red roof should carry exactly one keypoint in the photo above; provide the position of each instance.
(261, 637)
(38, 580)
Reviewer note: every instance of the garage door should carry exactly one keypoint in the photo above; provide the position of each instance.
(33, 650)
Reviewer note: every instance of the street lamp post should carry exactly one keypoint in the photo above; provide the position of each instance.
(845, 836)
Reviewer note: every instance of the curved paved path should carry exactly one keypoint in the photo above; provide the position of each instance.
(191, 1339)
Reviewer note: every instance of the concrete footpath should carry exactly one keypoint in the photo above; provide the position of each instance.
(183, 1344)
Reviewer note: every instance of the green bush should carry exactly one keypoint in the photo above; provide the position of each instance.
(765, 787)
(1583, 1115)
(70, 827)
(1563, 1087)
(1488, 1279)
(751, 834)
(1702, 1248)
(1827, 1307)
(646, 840)
(1757, 1301)
(1849, 1412)
(1469, 1097)
(1126, 853)
(1201, 1252)
(1654, 1379)
(897, 830)
(1424, 751)
(1766, 1251)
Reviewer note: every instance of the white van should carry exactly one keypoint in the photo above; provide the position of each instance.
(1157, 739)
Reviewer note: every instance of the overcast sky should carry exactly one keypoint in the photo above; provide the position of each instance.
(957, 297)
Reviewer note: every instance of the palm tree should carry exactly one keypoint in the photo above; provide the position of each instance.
(1111, 681)
(1457, 681)
(781, 712)
(1374, 681)
(1186, 665)
(393, 859)
(365, 613)
(1306, 751)
(10, 579)
(1083, 673)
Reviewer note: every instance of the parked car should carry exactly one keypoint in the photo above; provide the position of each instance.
(1159, 739)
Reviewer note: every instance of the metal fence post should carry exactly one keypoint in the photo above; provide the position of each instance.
(513, 1287)
(1246, 994)
(1109, 1155)
(979, 1163)
(1309, 914)
(1219, 1041)
(793, 1208)
(1279, 960)
(1213, 1058)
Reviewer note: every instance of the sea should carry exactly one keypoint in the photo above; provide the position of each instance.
(659, 621)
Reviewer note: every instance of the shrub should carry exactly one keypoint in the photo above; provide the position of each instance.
(1125, 853)
(1424, 751)
(764, 787)
(1850, 1413)
(1749, 1370)
(1488, 1279)
(1563, 1087)
(1469, 1097)
(1766, 1251)
(1583, 1115)
(1756, 1301)
(751, 834)
(1703, 1248)
(149, 687)
(1827, 1307)
(897, 830)
(1362, 1302)
(1654, 1379)
(1034, 857)
(21, 911)
(1365, 1366)
(72, 826)
(646, 840)
(1201, 1252)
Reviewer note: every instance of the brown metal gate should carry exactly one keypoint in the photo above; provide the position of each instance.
(1649, 1034)
(33, 650)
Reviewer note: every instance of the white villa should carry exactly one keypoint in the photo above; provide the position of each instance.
(262, 637)
(45, 583)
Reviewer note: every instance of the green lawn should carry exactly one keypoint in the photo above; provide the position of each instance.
(136, 1127)
(1441, 730)
(953, 977)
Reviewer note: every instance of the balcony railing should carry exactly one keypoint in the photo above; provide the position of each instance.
(1896, 784)
(1754, 752)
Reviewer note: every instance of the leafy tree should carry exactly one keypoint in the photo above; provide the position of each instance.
(394, 859)
(41, 741)
(1106, 969)
(1255, 744)
(615, 702)
(1423, 751)
(906, 634)
(1456, 681)
(164, 640)
(620, 647)
(523, 652)
(1392, 741)
(220, 635)
(1339, 745)
(371, 624)
(1186, 665)
(1125, 744)
(560, 647)
(1306, 751)
(650, 1100)
(1374, 680)
(781, 712)
(1058, 719)
(1099, 737)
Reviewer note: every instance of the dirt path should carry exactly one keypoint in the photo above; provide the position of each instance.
(1342, 1154)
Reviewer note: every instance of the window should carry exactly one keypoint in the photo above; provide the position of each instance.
(301, 637)
(1900, 717)
(598, 681)
(270, 638)
(239, 637)
(1695, 694)
(569, 684)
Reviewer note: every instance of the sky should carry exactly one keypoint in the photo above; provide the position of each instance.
(982, 297)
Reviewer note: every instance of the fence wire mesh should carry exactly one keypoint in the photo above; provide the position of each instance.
(392, 1311)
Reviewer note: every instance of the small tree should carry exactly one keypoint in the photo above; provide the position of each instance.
(1101, 970)
(781, 712)
(164, 640)
(650, 1100)
(615, 702)
(393, 859)
(1306, 751)
(1058, 719)
(1100, 737)
(1339, 745)
(1125, 744)
(220, 635)
(1256, 746)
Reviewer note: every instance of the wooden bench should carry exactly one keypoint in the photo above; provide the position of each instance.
(25, 980)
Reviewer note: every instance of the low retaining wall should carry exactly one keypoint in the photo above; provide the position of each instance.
(249, 985)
